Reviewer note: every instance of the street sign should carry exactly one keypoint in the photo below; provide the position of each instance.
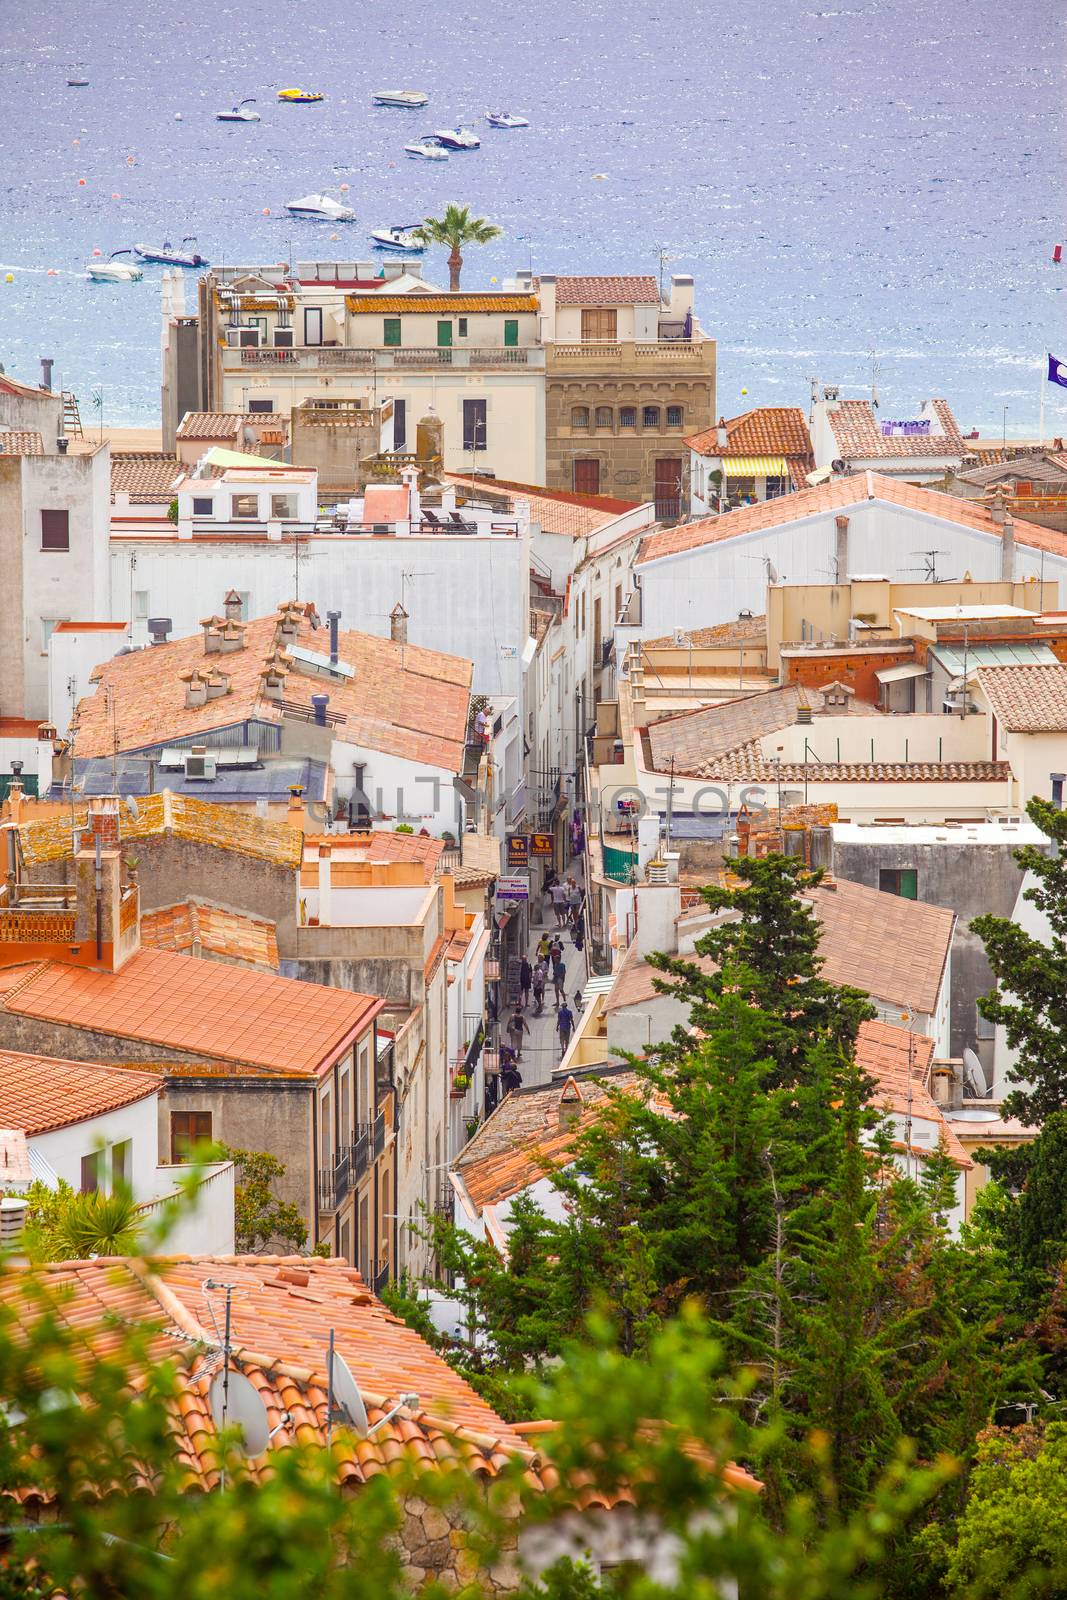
(542, 844)
(516, 887)
(518, 849)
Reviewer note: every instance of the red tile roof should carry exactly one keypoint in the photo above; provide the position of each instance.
(227, 424)
(607, 291)
(196, 928)
(20, 442)
(146, 476)
(741, 630)
(891, 948)
(278, 1025)
(893, 1056)
(554, 510)
(40, 1093)
(859, 436)
(763, 431)
(839, 495)
(178, 815)
(1027, 699)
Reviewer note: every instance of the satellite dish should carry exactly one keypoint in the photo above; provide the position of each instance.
(837, 466)
(238, 1404)
(132, 807)
(974, 1073)
(347, 1402)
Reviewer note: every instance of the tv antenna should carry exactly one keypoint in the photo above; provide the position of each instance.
(772, 570)
(876, 373)
(663, 260)
(234, 1400)
(929, 566)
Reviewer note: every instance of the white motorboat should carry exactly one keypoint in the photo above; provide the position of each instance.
(398, 238)
(113, 271)
(168, 256)
(428, 148)
(239, 113)
(457, 138)
(506, 119)
(322, 207)
(410, 99)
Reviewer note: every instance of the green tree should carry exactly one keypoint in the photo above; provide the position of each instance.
(456, 230)
(1010, 1543)
(1030, 999)
(260, 1218)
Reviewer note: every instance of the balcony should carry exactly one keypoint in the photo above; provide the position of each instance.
(329, 358)
(690, 352)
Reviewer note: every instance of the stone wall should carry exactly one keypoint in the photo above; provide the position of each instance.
(434, 1543)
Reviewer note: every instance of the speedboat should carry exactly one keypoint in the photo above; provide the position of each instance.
(321, 206)
(457, 138)
(300, 97)
(240, 113)
(411, 98)
(168, 256)
(77, 83)
(113, 271)
(506, 119)
(428, 148)
(398, 238)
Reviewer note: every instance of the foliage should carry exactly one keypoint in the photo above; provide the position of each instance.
(1030, 999)
(63, 1225)
(172, 511)
(260, 1218)
(403, 827)
(456, 229)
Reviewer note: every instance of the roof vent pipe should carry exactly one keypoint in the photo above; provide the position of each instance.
(333, 618)
(319, 702)
(47, 363)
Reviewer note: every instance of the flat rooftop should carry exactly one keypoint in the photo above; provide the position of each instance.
(993, 830)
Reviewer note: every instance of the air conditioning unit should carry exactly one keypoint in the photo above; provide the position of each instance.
(283, 338)
(198, 764)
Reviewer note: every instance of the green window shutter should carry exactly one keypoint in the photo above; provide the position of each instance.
(444, 334)
(511, 331)
(909, 883)
(392, 330)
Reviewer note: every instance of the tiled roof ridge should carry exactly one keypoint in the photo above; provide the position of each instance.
(36, 968)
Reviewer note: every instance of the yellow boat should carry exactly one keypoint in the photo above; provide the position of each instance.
(301, 97)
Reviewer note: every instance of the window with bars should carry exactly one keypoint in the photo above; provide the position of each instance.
(650, 417)
(579, 416)
(627, 416)
(604, 416)
(674, 416)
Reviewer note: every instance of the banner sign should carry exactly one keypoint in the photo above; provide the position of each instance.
(518, 850)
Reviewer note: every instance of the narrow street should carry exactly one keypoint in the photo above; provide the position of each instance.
(540, 1047)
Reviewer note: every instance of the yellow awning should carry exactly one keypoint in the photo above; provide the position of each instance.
(755, 467)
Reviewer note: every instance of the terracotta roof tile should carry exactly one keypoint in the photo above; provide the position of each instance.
(736, 632)
(607, 291)
(182, 816)
(222, 1012)
(635, 980)
(146, 476)
(859, 436)
(891, 948)
(39, 1093)
(227, 424)
(554, 510)
(401, 700)
(839, 495)
(20, 442)
(383, 844)
(893, 1055)
(697, 741)
(1027, 699)
(194, 927)
(763, 431)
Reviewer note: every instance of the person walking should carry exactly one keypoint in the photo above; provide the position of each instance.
(525, 979)
(542, 947)
(579, 931)
(574, 899)
(540, 978)
(565, 1027)
(559, 981)
(517, 1026)
(558, 893)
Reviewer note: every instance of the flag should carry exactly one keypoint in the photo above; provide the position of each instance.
(1057, 371)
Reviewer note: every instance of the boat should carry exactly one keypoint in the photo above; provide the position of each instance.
(428, 148)
(398, 238)
(411, 98)
(168, 256)
(323, 207)
(506, 119)
(457, 138)
(112, 271)
(239, 113)
(300, 97)
(77, 83)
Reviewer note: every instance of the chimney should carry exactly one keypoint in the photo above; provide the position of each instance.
(658, 906)
(195, 688)
(722, 438)
(62, 443)
(212, 634)
(398, 624)
(1007, 549)
(803, 715)
(231, 638)
(47, 363)
(334, 619)
(232, 606)
(295, 809)
(841, 550)
(104, 820)
(570, 1104)
(319, 702)
(218, 684)
(324, 885)
(158, 628)
(14, 1209)
(99, 897)
(288, 622)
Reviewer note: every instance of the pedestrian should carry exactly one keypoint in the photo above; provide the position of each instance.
(565, 1026)
(555, 951)
(559, 982)
(540, 978)
(574, 898)
(578, 1001)
(517, 1026)
(543, 947)
(525, 979)
(579, 932)
(510, 1078)
(558, 893)
(481, 727)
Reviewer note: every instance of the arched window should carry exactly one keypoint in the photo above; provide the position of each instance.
(650, 417)
(579, 416)
(627, 416)
(604, 416)
(674, 416)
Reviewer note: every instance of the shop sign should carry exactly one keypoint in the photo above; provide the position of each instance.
(516, 887)
(542, 844)
(518, 845)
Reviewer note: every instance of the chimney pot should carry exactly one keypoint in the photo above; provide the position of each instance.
(319, 702)
(398, 625)
(334, 619)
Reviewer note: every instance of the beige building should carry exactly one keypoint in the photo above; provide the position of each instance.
(628, 376)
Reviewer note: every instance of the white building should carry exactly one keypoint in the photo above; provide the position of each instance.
(853, 436)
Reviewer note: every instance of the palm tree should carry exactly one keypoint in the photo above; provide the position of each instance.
(456, 229)
(94, 1224)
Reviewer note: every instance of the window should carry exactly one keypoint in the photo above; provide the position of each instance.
(604, 416)
(187, 1129)
(463, 327)
(903, 881)
(627, 416)
(92, 1173)
(48, 628)
(55, 530)
(244, 505)
(444, 333)
(600, 325)
(283, 507)
(400, 424)
(346, 1107)
(312, 325)
(511, 332)
(261, 405)
(983, 1027)
(650, 417)
(203, 505)
(579, 416)
(140, 604)
(776, 487)
(345, 1250)
(674, 416)
(474, 424)
(325, 1129)
(391, 331)
(122, 1165)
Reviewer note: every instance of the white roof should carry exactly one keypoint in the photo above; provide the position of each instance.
(961, 613)
(1014, 831)
(909, 669)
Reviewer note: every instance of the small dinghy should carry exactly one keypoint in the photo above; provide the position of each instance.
(428, 148)
(506, 119)
(168, 256)
(113, 270)
(239, 113)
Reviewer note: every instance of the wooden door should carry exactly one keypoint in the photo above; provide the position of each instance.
(587, 477)
(668, 488)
